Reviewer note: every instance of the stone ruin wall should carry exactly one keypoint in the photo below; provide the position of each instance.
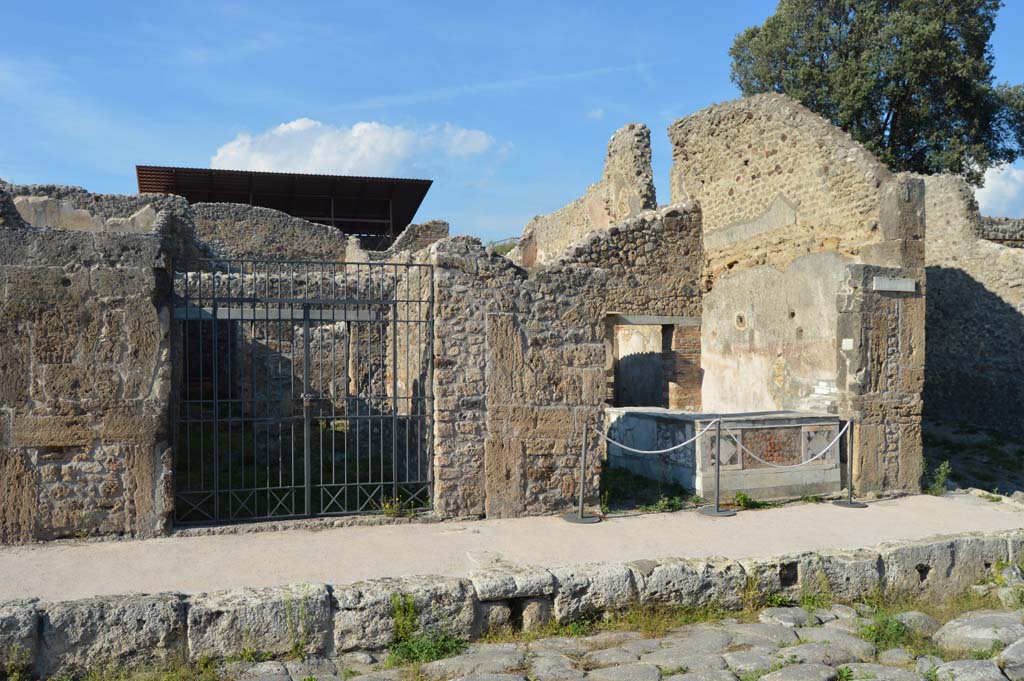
(793, 206)
(241, 232)
(625, 189)
(975, 312)
(1005, 231)
(84, 370)
(520, 359)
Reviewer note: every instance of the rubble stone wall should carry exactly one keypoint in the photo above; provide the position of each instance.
(975, 355)
(625, 189)
(792, 206)
(1005, 231)
(520, 359)
(84, 378)
(131, 631)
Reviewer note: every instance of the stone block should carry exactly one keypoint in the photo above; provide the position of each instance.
(126, 424)
(536, 613)
(491, 616)
(19, 628)
(282, 620)
(52, 431)
(495, 584)
(504, 480)
(117, 631)
(19, 497)
(365, 617)
(849, 575)
(592, 587)
(946, 565)
(671, 582)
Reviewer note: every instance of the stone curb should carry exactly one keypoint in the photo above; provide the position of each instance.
(323, 619)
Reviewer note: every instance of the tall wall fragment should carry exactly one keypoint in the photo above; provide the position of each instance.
(84, 374)
(975, 311)
(625, 189)
(798, 221)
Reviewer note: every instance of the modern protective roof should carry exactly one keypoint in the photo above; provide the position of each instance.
(368, 206)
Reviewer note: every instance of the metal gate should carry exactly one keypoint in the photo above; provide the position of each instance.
(301, 389)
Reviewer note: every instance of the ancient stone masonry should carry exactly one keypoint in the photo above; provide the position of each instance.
(84, 375)
(1005, 231)
(625, 189)
(520, 359)
(238, 231)
(332, 620)
(792, 207)
(975, 355)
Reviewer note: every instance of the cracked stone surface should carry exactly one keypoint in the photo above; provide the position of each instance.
(775, 649)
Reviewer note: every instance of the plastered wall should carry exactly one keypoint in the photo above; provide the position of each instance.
(790, 204)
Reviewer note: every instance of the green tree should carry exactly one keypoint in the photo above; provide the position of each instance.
(910, 79)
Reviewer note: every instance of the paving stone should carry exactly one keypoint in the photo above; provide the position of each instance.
(862, 650)
(608, 657)
(815, 653)
(978, 631)
(266, 671)
(316, 667)
(484, 659)
(878, 672)
(681, 658)
(824, 615)
(747, 661)
(703, 676)
(560, 644)
(919, 622)
(553, 667)
(802, 672)
(490, 677)
(776, 633)
(607, 639)
(699, 639)
(626, 672)
(850, 626)
(969, 670)
(642, 646)
(926, 663)
(896, 657)
(843, 612)
(789, 617)
(1012, 661)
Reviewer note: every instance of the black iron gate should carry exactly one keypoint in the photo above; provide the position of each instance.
(301, 389)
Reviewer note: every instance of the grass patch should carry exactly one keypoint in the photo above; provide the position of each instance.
(744, 501)
(811, 499)
(994, 498)
(424, 647)
(413, 646)
(622, 490)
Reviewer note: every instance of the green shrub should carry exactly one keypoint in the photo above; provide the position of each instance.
(939, 479)
(743, 500)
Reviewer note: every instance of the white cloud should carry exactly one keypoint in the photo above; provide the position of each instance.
(366, 148)
(595, 114)
(1003, 193)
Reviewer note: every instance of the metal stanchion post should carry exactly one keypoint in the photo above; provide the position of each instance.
(848, 502)
(578, 517)
(717, 511)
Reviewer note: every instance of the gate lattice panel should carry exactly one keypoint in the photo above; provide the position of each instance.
(301, 389)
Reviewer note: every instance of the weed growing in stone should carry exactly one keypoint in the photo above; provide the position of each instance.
(811, 499)
(18, 666)
(665, 504)
(844, 674)
(937, 487)
(412, 645)
(743, 500)
(757, 674)
(997, 647)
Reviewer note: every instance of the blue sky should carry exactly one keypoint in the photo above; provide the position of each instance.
(506, 106)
